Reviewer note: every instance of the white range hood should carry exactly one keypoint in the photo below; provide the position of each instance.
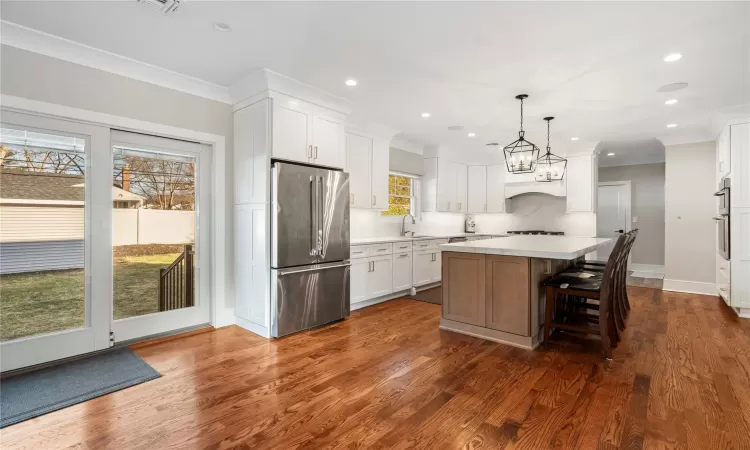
(518, 184)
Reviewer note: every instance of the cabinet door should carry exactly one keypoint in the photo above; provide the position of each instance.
(446, 186)
(477, 189)
(381, 277)
(725, 151)
(292, 133)
(464, 288)
(358, 151)
(496, 188)
(379, 177)
(740, 147)
(328, 141)
(461, 187)
(421, 263)
(359, 276)
(580, 188)
(401, 271)
(436, 273)
(508, 296)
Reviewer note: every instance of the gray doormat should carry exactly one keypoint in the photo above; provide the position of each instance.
(33, 394)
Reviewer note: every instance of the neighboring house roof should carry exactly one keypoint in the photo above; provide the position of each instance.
(57, 187)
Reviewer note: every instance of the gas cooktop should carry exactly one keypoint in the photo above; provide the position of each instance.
(549, 233)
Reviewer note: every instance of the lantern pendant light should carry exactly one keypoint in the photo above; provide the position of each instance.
(521, 155)
(550, 166)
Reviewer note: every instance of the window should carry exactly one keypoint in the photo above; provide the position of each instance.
(401, 195)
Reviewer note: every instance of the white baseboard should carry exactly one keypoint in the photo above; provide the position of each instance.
(742, 312)
(375, 301)
(253, 327)
(691, 287)
(654, 269)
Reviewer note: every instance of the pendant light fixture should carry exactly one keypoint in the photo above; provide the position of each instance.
(550, 166)
(521, 155)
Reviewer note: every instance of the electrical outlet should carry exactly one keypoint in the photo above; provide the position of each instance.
(635, 219)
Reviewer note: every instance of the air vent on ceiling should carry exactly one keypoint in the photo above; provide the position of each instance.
(494, 144)
(163, 6)
(455, 128)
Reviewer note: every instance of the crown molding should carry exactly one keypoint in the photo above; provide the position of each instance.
(36, 41)
(261, 81)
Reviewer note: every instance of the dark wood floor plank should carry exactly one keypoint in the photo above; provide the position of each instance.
(389, 378)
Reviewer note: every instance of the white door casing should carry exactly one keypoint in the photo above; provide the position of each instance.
(613, 213)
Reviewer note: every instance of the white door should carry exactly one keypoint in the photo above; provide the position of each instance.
(359, 274)
(160, 235)
(402, 271)
(292, 132)
(613, 209)
(328, 141)
(477, 189)
(379, 176)
(54, 239)
(436, 267)
(461, 187)
(358, 151)
(381, 276)
(496, 188)
(422, 264)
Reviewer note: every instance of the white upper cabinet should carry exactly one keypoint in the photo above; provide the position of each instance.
(358, 154)
(444, 186)
(724, 152)
(379, 174)
(367, 160)
(477, 189)
(461, 188)
(496, 188)
(292, 132)
(581, 178)
(739, 145)
(302, 134)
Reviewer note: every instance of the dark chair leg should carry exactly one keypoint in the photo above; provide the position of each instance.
(551, 294)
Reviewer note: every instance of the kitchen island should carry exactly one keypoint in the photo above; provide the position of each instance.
(492, 288)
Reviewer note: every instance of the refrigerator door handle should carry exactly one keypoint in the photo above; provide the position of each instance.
(315, 268)
(321, 217)
(314, 216)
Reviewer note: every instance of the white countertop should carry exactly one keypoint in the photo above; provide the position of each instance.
(550, 247)
(381, 240)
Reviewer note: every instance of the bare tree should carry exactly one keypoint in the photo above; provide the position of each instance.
(49, 161)
(165, 184)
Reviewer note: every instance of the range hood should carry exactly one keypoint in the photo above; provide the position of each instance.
(519, 184)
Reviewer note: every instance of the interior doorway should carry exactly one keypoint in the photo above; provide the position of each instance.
(613, 213)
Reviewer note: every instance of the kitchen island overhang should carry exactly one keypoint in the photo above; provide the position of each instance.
(492, 288)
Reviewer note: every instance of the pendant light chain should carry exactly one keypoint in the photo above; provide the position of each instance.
(548, 136)
(522, 114)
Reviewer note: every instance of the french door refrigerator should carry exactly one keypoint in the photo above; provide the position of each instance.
(309, 247)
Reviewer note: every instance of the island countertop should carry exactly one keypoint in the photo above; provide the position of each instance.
(534, 246)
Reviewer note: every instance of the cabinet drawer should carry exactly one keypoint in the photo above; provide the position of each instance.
(422, 245)
(401, 246)
(381, 249)
(359, 251)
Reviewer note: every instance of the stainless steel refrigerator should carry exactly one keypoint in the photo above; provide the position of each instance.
(309, 247)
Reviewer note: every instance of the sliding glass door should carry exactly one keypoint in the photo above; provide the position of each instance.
(54, 199)
(159, 234)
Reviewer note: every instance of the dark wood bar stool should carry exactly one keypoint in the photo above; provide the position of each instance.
(577, 293)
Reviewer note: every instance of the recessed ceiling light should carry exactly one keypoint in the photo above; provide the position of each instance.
(671, 101)
(351, 82)
(672, 57)
(610, 154)
(471, 134)
(425, 115)
(224, 28)
(672, 125)
(574, 139)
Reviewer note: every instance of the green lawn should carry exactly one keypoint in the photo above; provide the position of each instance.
(44, 302)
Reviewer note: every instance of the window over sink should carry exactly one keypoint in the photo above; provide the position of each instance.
(402, 198)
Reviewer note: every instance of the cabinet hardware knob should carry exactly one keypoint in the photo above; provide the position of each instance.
(309, 151)
(374, 200)
(315, 149)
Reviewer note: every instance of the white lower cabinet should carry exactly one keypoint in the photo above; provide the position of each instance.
(358, 277)
(402, 271)
(426, 267)
(380, 281)
(436, 267)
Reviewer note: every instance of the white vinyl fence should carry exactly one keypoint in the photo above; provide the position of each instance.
(36, 239)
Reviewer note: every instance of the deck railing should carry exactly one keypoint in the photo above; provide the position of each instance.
(176, 282)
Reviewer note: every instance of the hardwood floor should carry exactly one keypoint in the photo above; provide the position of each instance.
(388, 378)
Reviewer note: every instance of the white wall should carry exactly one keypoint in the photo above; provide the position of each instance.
(39, 77)
(690, 232)
(647, 205)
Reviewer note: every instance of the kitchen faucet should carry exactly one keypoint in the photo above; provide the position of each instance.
(403, 224)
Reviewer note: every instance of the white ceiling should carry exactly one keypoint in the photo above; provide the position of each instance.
(595, 66)
(628, 153)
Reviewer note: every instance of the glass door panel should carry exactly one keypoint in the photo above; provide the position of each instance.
(46, 308)
(155, 235)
